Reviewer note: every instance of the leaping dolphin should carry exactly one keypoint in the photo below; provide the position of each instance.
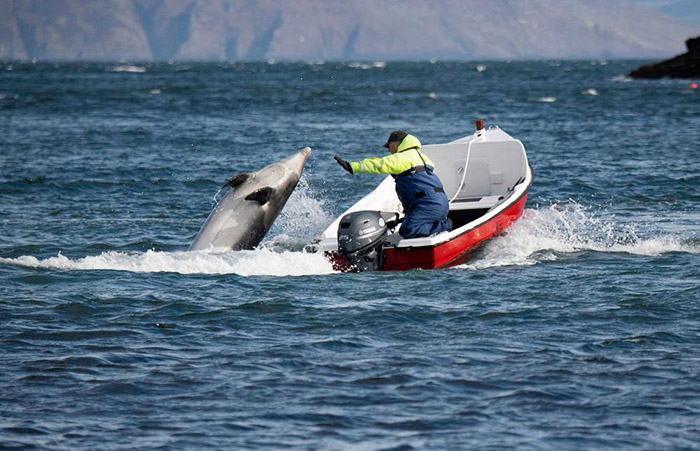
(242, 218)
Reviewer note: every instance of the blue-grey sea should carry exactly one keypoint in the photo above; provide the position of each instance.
(579, 328)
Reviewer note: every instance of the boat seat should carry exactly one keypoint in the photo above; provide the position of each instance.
(474, 203)
(494, 168)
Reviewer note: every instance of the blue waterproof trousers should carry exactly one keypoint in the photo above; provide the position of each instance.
(424, 201)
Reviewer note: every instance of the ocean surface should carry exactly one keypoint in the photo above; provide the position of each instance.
(579, 328)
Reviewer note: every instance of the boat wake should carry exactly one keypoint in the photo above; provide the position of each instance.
(280, 255)
(542, 234)
(259, 262)
(545, 234)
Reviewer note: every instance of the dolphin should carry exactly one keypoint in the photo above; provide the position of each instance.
(244, 215)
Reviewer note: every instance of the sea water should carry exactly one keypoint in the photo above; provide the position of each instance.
(579, 328)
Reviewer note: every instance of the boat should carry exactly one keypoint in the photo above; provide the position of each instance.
(486, 177)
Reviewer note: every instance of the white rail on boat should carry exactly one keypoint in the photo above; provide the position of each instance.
(466, 166)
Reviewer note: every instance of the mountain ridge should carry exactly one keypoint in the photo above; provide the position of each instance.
(245, 30)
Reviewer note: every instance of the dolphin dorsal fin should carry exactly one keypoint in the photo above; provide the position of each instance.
(261, 196)
(237, 180)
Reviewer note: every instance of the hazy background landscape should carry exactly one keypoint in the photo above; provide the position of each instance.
(254, 30)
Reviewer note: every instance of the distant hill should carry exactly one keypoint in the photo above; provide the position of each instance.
(335, 30)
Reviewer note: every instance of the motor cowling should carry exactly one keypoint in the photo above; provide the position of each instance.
(361, 236)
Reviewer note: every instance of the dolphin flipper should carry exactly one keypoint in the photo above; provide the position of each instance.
(261, 196)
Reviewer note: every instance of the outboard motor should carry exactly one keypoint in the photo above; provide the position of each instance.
(360, 238)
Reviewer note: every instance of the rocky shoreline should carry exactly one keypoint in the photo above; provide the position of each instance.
(686, 65)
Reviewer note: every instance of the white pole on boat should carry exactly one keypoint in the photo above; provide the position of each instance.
(480, 133)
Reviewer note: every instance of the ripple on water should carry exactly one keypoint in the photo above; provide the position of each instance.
(575, 329)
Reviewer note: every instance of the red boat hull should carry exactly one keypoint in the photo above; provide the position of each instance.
(454, 252)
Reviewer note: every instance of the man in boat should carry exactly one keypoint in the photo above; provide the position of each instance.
(418, 187)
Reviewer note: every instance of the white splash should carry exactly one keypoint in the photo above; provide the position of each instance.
(622, 78)
(545, 234)
(126, 68)
(545, 99)
(259, 262)
(590, 92)
(155, 91)
(302, 219)
(360, 66)
(480, 68)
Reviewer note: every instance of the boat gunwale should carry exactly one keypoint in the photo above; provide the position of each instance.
(458, 257)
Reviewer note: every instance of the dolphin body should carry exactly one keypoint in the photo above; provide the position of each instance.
(245, 214)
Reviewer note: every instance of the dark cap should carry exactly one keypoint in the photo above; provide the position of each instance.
(397, 135)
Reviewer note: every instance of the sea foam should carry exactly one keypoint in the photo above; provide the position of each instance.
(259, 262)
(542, 234)
(125, 68)
(546, 233)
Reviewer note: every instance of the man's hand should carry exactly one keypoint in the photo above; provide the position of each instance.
(344, 164)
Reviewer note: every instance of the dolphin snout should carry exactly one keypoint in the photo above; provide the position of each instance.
(303, 154)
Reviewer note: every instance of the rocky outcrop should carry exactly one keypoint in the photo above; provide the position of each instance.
(686, 65)
(222, 30)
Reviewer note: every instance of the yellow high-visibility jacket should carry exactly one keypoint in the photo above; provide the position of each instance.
(406, 157)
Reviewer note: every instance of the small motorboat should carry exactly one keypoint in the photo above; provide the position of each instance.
(486, 177)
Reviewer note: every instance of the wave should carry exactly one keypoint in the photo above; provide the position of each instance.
(259, 262)
(367, 66)
(546, 233)
(125, 68)
(622, 78)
